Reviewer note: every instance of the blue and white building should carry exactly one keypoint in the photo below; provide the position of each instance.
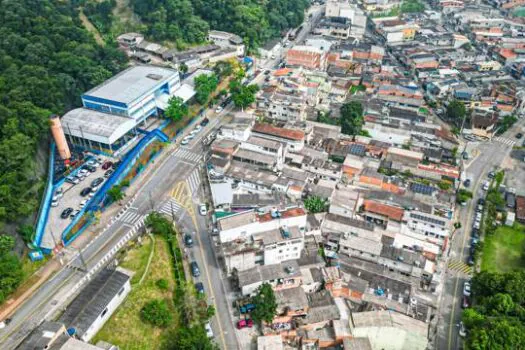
(113, 111)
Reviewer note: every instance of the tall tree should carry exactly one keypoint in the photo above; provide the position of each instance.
(204, 86)
(177, 109)
(352, 118)
(265, 304)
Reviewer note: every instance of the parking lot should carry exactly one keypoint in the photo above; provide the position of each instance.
(71, 198)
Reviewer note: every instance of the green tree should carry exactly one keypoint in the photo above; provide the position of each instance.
(456, 111)
(26, 232)
(115, 194)
(315, 204)
(183, 68)
(177, 109)
(204, 86)
(242, 96)
(157, 313)
(11, 274)
(7, 243)
(159, 225)
(352, 118)
(193, 338)
(265, 304)
(223, 69)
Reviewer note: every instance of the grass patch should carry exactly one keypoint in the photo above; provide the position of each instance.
(357, 88)
(504, 251)
(125, 328)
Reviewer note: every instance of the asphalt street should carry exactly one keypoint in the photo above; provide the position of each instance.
(491, 155)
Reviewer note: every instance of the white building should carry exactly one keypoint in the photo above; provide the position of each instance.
(95, 304)
(249, 223)
(285, 243)
(432, 228)
(225, 39)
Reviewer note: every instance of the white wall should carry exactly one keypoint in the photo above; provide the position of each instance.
(257, 227)
(283, 251)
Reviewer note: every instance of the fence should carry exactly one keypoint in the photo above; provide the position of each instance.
(45, 204)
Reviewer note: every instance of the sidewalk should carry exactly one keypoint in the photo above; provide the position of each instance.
(61, 259)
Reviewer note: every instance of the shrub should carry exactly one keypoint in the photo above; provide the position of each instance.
(162, 284)
(157, 313)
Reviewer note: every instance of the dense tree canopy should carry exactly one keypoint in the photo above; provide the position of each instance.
(497, 319)
(189, 21)
(352, 118)
(204, 86)
(47, 59)
(265, 304)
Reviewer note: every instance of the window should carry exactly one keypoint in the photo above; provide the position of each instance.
(104, 312)
(121, 291)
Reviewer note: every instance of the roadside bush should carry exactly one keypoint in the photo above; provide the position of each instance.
(157, 313)
(162, 284)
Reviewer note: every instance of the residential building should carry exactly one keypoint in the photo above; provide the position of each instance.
(279, 276)
(306, 56)
(95, 304)
(225, 39)
(293, 138)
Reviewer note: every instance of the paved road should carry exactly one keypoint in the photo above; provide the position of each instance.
(491, 155)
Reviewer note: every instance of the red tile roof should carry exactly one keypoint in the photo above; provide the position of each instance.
(290, 134)
(389, 211)
(290, 213)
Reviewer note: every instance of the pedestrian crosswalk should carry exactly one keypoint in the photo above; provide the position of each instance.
(504, 140)
(130, 217)
(186, 154)
(194, 180)
(459, 266)
(170, 207)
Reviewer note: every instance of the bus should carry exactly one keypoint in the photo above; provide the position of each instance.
(293, 34)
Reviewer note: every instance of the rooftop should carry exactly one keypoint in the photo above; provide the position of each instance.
(274, 236)
(389, 211)
(93, 299)
(268, 129)
(132, 83)
(291, 298)
(288, 269)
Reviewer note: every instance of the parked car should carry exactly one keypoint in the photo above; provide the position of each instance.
(491, 174)
(199, 287)
(107, 165)
(519, 135)
(74, 214)
(202, 210)
(185, 141)
(188, 240)
(245, 324)
(92, 163)
(466, 289)
(198, 128)
(481, 201)
(486, 186)
(464, 155)
(205, 122)
(195, 271)
(108, 173)
(209, 332)
(462, 330)
(90, 168)
(72, 180)
(54, 203)
(479, 208)
(218, 109)
(466, 183)
(97, 181)
(465, 303)
(66, 212)
(85, 191)
(83, 203)
(246, 308)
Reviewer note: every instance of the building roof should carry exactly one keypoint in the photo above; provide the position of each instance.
(222, 193)
(42, 336)
(357, 344)
(270, 342)
(288, 269)
(268, 129)
(274, 236)
(291, 298)
(389, 211)
(132, 83)
(96, 126)
(93, 299)
(236, 220)
(265, 143)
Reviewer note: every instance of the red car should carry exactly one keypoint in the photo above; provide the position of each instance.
(465, 303)
(245, 323)
(107, 165)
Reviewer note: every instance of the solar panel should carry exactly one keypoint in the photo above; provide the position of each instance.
(357, 150)
(421, 188)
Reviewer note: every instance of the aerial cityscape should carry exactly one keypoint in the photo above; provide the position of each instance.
(272, 175)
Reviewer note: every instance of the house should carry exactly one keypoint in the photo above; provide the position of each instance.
(291, 302)
(270, 342)
(279, 276)
(130, 40)
(387, 329)
(248, 223)
(306, 56)
(293, 138)
(270, 49)
(225, 39)
(95, 304)
(283, 105)
(520, 209)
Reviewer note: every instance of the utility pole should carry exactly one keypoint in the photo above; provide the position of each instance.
(84, 265)
(172, 212)
(152, 206)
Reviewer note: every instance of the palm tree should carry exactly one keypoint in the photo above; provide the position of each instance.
(115, 194)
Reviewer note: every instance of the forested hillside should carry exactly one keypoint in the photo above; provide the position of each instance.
(47, 59)
(189, 20)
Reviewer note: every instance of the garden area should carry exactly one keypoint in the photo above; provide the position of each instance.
(504, 250)
(163, 309)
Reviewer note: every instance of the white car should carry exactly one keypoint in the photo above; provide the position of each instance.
(83, 203)
(202, 210)
(208, 329)
(466, 289)
(486, 186)
(218, 109)
(92, 162)
(185, 141)
(462, 330)
(198, 128)
(54, 203)
(190, 136)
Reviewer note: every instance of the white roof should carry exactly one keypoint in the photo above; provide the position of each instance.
(185, 92)
(96, 126)
(132, 83)
(222, 193)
